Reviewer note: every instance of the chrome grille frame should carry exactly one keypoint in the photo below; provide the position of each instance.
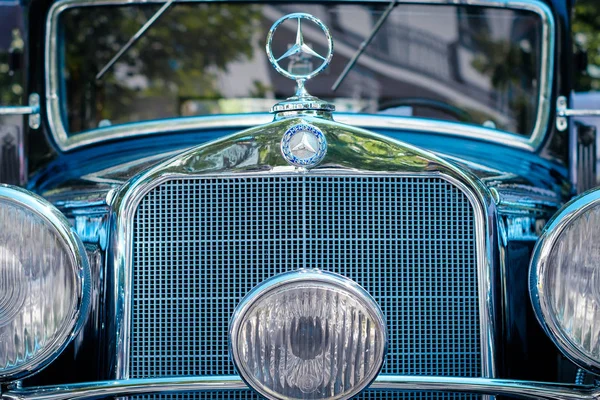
(123, 233)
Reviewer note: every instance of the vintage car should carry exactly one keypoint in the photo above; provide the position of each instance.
(394, 228)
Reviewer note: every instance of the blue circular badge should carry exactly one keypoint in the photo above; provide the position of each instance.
(304, 145)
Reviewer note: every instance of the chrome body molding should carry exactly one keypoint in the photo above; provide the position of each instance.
(33, 110)
(70, 199)
(66, 142)
(523, 228)
(77, 254)
(563, 113)
(522, 199)
(537, 284)
(87, 213)
(498, 387)
(523, 211)
(90, 335)
(255, 152)
(92, 227)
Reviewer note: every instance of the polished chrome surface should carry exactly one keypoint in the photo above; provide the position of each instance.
(33, 110)
(301, 103)
(390, 383)
(302, 100)
(90, 335)
(521, 228)
(299, 47)
(92, 226)
(66, 142)
(537, 284)
(304, 145)
(349, 322)
(88, 214)
(353, 153)
(523, 199)
(563, 113)
(583, 156)
(77, 255)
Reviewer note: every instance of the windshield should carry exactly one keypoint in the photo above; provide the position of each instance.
(469, 64)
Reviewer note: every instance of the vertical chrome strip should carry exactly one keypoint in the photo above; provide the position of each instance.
(126, 203)
(66, 142)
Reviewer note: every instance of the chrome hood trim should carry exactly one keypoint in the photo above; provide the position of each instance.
(498, 387)
(257, 151)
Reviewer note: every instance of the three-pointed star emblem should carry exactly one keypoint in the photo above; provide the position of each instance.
(300, 46)
(304, 145)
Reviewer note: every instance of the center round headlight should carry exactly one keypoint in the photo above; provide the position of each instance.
(308, 334)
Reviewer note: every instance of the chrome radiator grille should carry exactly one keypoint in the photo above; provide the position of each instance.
(201, 244)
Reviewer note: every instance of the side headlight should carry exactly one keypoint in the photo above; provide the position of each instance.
(565, 280)
(44, 283)
(308, 335)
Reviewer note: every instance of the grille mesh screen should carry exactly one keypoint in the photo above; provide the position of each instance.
(201, 244)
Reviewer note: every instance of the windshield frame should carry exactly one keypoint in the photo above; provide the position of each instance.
(67, 142)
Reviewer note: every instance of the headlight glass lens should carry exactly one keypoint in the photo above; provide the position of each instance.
(574, 281)
(308, 335)
(41, 287)
(13, 289)
(565, 280)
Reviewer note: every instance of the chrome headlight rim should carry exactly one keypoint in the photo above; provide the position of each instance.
(303, 276)
(538, 275)
(75, 249)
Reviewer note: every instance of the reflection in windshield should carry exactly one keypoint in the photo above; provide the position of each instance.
(460, 63)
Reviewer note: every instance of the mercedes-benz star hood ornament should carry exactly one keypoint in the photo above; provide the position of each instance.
(301, 100)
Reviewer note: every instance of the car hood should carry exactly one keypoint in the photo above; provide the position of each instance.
(513, 177)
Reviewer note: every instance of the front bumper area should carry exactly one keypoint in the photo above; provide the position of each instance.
(498, 387)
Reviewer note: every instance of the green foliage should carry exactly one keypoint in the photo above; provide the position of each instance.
(501, 61)
(260, 90)
(11, 81)
(12, 89)
(510, 69)
(178, 57)
(586, 35)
